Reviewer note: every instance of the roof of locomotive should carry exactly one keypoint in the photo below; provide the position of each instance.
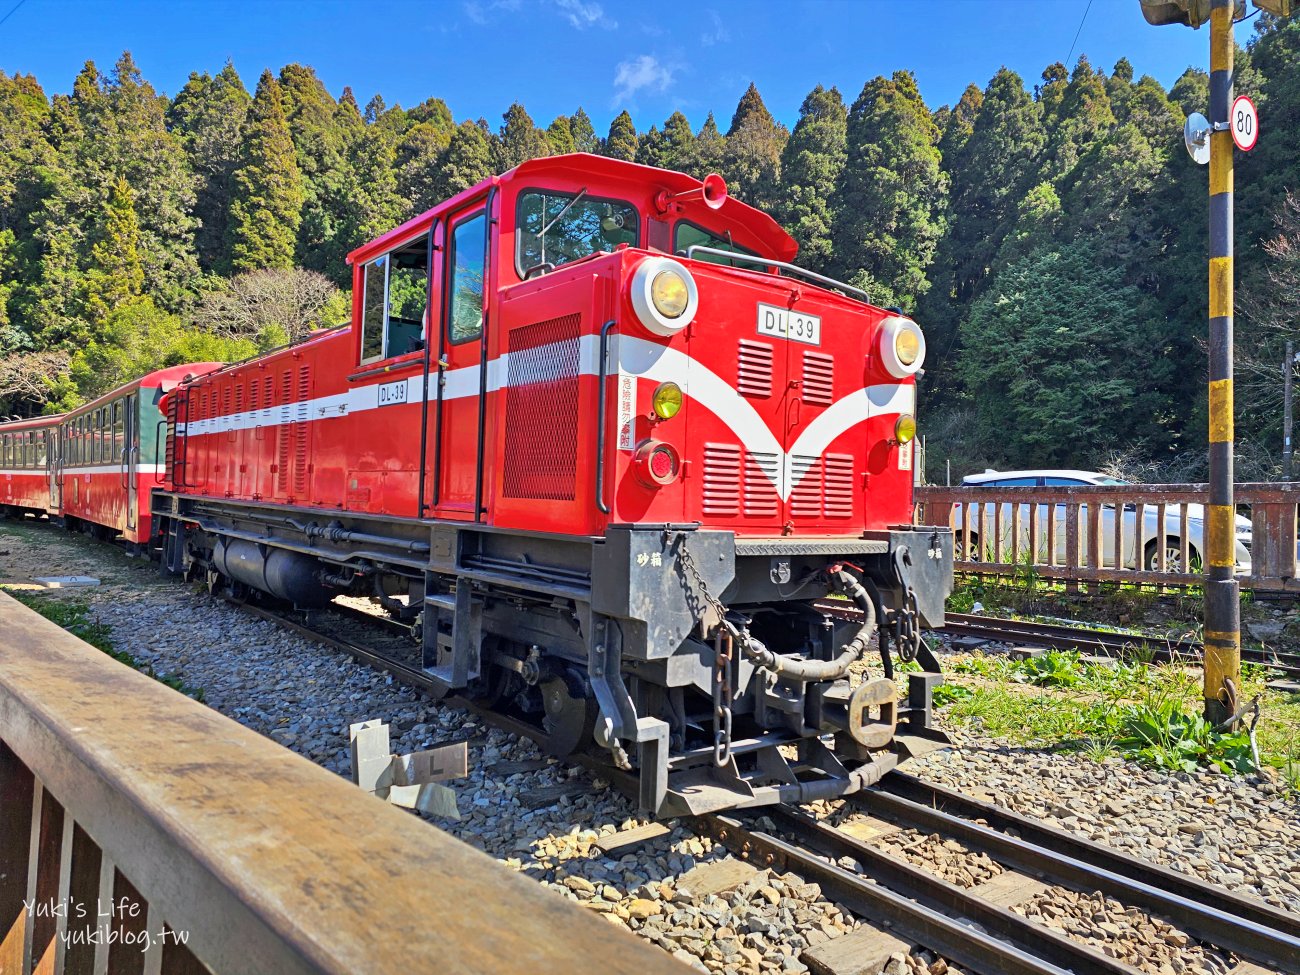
(576, 165)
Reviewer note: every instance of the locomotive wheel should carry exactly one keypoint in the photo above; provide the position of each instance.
(568, 720)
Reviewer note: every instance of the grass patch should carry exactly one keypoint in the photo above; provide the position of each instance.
(1148, 713)
(76, 619)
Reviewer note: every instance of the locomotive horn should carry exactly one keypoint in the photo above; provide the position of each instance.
(713, 191)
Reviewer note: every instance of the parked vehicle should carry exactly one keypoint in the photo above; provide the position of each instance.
(1148, 547)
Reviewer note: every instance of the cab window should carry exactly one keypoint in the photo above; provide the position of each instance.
(465, 291)
(394, 306)
(555, 228)
(687, 234)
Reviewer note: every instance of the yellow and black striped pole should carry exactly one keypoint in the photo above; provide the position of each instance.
(1222, 608)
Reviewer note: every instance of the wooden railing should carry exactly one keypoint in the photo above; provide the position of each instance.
(1073, 534)
(142, 832)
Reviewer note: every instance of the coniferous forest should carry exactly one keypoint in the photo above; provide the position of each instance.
(1049, 234)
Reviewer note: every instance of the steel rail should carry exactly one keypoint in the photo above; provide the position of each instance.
(932, 921)
(1097, 854)
(1252, 939)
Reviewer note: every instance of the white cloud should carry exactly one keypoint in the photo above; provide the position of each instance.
(481, 11)
(643, 73)
(585, 13)
(717, 33)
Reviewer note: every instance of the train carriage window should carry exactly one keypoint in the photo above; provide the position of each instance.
(372, 309)
(408, 298)
(687, 234)
(555, 228)
(119, 428)
(43, 448)
(468, 253)
(393, 313)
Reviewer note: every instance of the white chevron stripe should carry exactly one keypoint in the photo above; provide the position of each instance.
(650, 361)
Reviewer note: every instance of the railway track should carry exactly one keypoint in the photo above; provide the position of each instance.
(971, 927)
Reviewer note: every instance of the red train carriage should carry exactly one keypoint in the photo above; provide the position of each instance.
(606, 448)
(28, 476)
(111, 456)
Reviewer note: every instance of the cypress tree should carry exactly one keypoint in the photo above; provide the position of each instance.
(957, 125)
(584, 135)
(268, 197)
(811, 164)
(208, 115)
(889, 216)
(323, 131)
(116, 275)
(678, 143)
(621, 143)
(650, 148)
(709, 150)
(519, 140)
(752, 163)
(559, 135)
(468, 160)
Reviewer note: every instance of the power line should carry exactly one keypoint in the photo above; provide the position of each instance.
(1076, 34)
(12, 11)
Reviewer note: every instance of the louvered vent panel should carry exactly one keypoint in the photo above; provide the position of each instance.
(754, 372)
(301, 432)
(806, 498)
(721, 479)
(837, 486)
(762, 472)
(541, 450)
(268, 396)
(818, 378)
(282, 440)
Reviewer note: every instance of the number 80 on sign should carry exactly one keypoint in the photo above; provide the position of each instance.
(1244, 122)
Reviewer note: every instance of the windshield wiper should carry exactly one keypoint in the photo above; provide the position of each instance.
(560, 216)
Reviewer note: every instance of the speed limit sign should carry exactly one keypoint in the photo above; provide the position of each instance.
(1245, 123)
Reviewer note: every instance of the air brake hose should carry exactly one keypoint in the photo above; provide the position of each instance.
(807, 671)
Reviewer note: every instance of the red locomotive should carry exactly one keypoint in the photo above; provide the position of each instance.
(608, 451)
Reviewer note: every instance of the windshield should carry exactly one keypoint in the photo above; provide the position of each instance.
(555, 228)
(687, 234)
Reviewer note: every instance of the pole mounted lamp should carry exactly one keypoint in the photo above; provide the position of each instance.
(1231, 122)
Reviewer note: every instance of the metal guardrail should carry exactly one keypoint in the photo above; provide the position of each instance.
(1072, 534)
(143, 832)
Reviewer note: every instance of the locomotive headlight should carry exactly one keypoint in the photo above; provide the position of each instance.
(902, 346)
(664, 295)
(667, 400)
(669, 293)
(905, 428)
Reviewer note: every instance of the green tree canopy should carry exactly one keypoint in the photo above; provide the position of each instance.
(268, 196)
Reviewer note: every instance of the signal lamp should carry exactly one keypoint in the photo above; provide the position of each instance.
(667, 400)
(657, 463)
(905, 428)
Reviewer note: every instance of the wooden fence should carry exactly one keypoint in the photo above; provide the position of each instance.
(1073, 534)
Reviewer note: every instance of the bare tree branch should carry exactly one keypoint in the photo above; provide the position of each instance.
(251, 302)
(29, 376)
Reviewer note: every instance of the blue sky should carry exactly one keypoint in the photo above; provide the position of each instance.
(554, 55)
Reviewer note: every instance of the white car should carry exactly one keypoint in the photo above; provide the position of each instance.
(1151, 537)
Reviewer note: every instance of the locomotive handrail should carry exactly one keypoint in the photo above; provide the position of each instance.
(771, 262)
(601, 421)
